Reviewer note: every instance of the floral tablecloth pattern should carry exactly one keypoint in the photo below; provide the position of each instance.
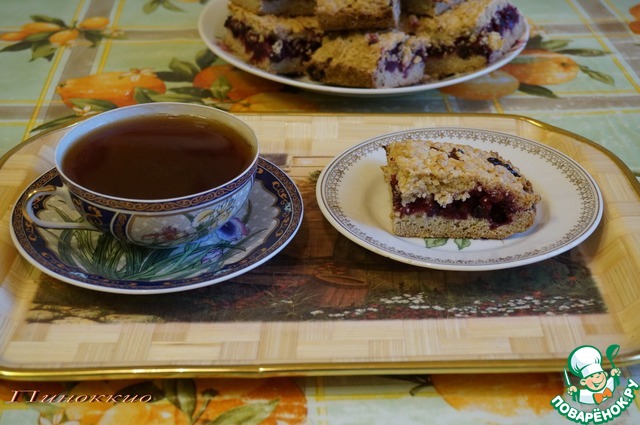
(62, 59)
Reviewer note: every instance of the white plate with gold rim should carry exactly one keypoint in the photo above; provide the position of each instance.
(353, 196)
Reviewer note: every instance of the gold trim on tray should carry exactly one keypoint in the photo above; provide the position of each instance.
(87, 349)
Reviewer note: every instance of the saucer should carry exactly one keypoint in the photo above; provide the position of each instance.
(92, 260)
(354, 197)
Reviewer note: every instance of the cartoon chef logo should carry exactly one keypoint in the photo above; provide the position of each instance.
(596, 385)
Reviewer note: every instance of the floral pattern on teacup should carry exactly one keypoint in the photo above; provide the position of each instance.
(166, 231)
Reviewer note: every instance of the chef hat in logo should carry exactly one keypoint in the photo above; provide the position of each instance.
(585, 361)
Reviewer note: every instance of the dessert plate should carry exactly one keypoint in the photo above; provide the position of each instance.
(354, 197)
(211, 28)
(88, 259)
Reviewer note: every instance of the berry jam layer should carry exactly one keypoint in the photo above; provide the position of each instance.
(271, 47)
(496, 207)
(503, 21)
(393, 62)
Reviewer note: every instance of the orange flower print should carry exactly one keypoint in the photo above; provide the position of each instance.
(277, 401)
(542, 67)
(551, 62)
(94, 23)
(40, 26)
(491, 86)
(634, 26)
(64, 37)
(230, 83)
(13, 36)
(46, 34)
(207, 81)
(524, 395)
(116, 87)
(31, 30)
(274, 101)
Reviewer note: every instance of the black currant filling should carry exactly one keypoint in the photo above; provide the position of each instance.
(496, 207)
(496, 161)
(394, 65)
(504, 20)
(262, 47)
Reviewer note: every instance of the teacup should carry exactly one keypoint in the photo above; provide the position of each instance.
(157, 175)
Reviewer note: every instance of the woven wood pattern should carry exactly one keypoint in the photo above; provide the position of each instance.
(531, 343)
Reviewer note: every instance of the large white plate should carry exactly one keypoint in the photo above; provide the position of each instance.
(353, 196)
(211, 28)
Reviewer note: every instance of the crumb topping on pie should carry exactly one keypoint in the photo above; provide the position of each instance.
(441, 189)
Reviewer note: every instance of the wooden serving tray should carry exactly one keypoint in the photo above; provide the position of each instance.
(108, 343)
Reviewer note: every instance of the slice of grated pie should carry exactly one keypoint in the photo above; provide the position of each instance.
(348, 15)
(372, 60)
(446, 190)
(276, 44)
(467, 37)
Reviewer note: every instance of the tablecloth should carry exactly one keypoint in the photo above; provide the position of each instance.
(63, 59)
